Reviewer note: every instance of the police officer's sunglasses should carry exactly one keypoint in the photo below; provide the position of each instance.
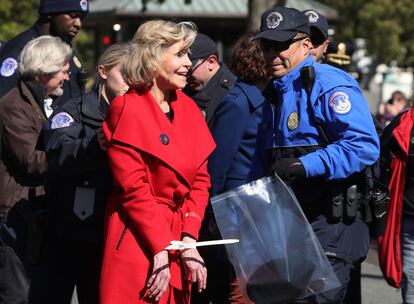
(278, 46)
(196, 66)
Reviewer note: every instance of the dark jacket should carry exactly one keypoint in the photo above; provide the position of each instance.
(213, 93)
(9, 76)
(234, 130)
(79, 180)
(22, 165)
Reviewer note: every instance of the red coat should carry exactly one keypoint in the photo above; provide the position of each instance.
(161, 190)
(389, 250)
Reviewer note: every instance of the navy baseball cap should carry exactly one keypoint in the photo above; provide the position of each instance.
(63, 6)
(282, 23)
(202, 47)
(317, 21)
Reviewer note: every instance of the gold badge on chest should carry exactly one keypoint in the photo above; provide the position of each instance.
(77, 62)
(293, 121)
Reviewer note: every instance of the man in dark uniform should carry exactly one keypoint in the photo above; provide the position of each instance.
(314, 134)
(209, 80)
(62, 18)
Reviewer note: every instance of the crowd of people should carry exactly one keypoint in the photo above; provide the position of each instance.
(95, 186)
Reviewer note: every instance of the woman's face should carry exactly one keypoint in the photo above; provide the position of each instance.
(113, 82)
(173, 67)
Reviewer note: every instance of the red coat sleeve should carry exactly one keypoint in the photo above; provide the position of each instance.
(196, 202)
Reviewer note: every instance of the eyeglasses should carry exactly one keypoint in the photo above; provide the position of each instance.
(192, 69)
(278, 46)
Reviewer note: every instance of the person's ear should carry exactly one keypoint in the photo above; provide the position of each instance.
(306, 45)
(212, 62)
(102, 72)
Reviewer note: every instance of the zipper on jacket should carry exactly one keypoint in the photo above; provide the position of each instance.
(121, 238)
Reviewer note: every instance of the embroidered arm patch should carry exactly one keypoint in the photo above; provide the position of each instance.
(339, 103)
(61, 120)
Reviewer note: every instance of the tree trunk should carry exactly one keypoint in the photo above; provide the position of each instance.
(256, 9)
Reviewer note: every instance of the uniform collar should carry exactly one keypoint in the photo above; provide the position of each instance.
(221, 78)
(91, 109)
(251, 92)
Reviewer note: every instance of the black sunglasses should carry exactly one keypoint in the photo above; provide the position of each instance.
(278, 46)
(192, 69)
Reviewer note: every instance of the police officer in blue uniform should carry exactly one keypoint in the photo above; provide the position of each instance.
(316, 134)
(62, 18)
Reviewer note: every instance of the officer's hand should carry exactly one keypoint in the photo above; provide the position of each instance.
(101, 139)
(160, 277)
(287, 168)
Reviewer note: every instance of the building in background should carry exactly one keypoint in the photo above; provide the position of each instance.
(223, 20)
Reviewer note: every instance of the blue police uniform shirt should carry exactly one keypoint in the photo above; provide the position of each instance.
(343, 112)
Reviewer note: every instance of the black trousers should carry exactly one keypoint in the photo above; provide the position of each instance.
(64, 265)
(14, 281)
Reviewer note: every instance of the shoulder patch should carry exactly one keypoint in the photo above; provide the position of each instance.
(8, 67)
(339, 102)
(61, 120)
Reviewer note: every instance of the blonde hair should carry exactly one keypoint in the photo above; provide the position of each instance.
(115, 54)
(148, 44)
(43, 55)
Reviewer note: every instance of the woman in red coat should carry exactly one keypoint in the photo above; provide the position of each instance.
(158, 145)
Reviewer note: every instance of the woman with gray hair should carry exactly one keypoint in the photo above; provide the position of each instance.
(158, 145)
(23, 111)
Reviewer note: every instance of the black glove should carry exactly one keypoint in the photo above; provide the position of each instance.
(287, 168)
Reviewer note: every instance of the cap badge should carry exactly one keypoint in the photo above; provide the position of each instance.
(312, 16)
(293, 121)
(273, 20)
(84, 5)
(341, 48)
(8, 67)
(164, 139)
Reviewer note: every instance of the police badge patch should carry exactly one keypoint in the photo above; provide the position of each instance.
(8, 67)
(61, 120)
(339, 102)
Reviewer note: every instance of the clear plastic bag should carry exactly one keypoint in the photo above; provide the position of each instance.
(279, 258)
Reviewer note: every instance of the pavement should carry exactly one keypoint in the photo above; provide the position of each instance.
(375, 289)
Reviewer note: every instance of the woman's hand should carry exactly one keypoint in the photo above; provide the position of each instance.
(160, 277)
(194, 265)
